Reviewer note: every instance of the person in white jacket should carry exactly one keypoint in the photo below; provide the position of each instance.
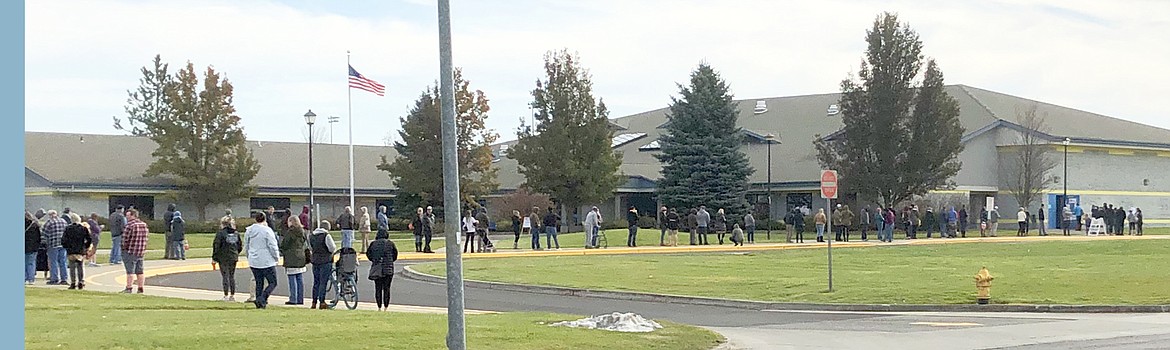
(263, 253)
(592, 224)
(1022, 219)
(469, 223)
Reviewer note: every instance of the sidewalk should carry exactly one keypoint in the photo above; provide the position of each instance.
(112, 279)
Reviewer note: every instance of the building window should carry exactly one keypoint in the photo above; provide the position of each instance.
(144, 204)
(622, 139)
(262, 203)
(796, 200)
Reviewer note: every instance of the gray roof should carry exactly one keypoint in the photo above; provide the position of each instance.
(63, 159)
(797, 120)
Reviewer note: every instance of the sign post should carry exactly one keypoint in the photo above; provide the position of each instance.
(829, 193)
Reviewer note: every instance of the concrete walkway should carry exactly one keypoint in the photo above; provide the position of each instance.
(112, 279)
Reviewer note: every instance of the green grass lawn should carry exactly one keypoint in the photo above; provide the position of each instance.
(59, 319)
(1102, 272)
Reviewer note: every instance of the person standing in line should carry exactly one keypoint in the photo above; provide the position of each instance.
(704, 221)
(551, 220)
(1022, 220)
(179, 235)
(836, 225)
(820, 219)
(879, 224)
(382, 255)
(915, 219)
(749, 225)
(468, 232)
(483, 225)
(1069, 220)
(293, 247)
(672, 224)
(993, 219)
(984, 219)
(383, 220)
(428, 230)
(952, 222)
(346, 223)
(719, 224)
(692, 226)
(1140, 220)
(169, 249)
(1041, 221)
(1078, 212)
(364, 227)
(304, 217)
(1132, 218)
(889, 225)
(534, 227)
(592, 223)
(632, 221)
(117, 224)
(416, 227)
(263, 252)
(662, 213)
(76, 241)
(847, 218)
(32, 244)
(798, 223)
(269, 218)
(134, 239)
(321, 248)
(866, 218)
(225, 251)
(964, 220)
(929, 221)
(51, 233)
(95, 235)
(517, 220)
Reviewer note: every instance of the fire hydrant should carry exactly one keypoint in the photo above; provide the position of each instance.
(983, 285)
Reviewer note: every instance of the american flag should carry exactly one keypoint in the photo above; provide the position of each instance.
(357, 80)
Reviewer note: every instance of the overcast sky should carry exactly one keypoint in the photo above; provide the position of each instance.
(285, 57)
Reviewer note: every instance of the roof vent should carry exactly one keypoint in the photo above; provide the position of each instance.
(761, 107)
(833, 110)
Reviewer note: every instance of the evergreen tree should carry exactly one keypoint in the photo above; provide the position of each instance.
(568, 154)
(200, 142)
(418, 168)
(900, 139)
(702, 161)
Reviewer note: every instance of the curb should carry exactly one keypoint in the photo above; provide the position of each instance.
(410, 273)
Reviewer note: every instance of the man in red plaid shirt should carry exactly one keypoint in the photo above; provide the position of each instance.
(133, 249)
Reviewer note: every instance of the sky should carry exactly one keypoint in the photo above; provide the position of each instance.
(287, 57)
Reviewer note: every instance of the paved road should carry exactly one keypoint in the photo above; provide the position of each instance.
(775, 329)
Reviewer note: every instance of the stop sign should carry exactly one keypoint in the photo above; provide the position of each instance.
(829, 184)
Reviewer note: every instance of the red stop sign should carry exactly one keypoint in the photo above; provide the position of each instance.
(829, 184)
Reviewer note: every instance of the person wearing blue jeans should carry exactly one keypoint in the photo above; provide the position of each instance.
(30, 267)
(32, 244)
(117, 224)
(296, 289)
(265, 284)
(58, 273)
(550, 234)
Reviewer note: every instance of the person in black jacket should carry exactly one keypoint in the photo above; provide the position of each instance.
(382, 254)
(225, 251)
(417, 225)
(632, 220)
(76, 242)
(32, 244)
(672, 223)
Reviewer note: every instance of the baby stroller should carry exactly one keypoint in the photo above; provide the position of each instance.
(344, 280)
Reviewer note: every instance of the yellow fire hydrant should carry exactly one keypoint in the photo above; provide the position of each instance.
(983, 285)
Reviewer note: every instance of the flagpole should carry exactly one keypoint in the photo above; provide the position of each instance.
(349, 92)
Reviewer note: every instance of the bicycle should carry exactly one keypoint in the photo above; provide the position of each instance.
(343, 282)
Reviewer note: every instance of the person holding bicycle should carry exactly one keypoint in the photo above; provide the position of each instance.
(382, 254)
(321, 249)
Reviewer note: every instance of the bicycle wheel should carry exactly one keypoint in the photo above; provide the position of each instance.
(335, 285)
(351, 293)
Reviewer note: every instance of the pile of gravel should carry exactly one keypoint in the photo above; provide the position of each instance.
(617, 322)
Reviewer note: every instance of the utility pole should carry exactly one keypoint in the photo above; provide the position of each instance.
(456, 335)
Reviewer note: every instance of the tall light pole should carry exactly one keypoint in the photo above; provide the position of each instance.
(770, 138)
(311, 118)
(456, 336)
(332, 120)
(1064, 200)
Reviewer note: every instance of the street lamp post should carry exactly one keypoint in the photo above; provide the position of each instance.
(769, 139)
(311, 118)
(1064, 201)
